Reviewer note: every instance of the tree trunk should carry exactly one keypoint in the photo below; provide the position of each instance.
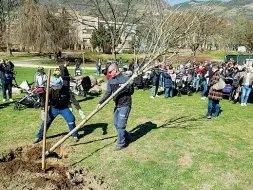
(114, 53)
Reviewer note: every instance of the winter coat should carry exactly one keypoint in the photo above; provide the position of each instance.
(40, 80)
(6, 71)
(244, 76)
(215, 94)
(167, 80)
(155, 78)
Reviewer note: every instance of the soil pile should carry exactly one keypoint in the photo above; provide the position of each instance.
(21, 169)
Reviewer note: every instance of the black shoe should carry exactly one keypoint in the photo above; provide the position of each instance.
(117, 148)
(37, 140)
(207, 117)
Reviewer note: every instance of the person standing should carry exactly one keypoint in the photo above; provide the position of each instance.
(247, 82)
(40, 79)
(98, 66)
(123, 104)
(59, 101)
(64, 73)
(167, 83)
(6, 74)
(214, 96)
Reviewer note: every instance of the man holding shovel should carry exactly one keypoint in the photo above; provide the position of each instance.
(59, 101)
(123, 102)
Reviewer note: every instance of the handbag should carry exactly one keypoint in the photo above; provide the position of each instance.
(219, 85)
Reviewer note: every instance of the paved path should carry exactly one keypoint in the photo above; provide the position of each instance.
(32, 64)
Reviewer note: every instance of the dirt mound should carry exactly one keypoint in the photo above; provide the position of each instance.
(21, 169)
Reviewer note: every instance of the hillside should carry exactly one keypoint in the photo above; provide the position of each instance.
(228, 10)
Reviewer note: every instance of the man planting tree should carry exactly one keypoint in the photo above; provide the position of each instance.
(123, 102)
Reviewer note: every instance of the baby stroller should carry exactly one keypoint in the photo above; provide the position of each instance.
(183, 85)
(31, 99)
(228, 88)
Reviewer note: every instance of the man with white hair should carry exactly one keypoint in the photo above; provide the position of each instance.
(123, 103)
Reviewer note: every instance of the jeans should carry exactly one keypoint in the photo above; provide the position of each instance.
(98, 70)
(52, 113)
(161, 84)
(167, 91)
(245, 93)
(7, 85)
(195, 83)
(154, 91)
(120, 121)
(213, 104)
(203, 93)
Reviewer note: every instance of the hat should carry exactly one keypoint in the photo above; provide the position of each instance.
(57, 72)
(56, 83)
(40, 68)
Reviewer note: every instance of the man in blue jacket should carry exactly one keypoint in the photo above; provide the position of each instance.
(59, 101)
(123, 103)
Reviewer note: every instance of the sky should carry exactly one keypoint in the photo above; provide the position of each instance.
(173, 2)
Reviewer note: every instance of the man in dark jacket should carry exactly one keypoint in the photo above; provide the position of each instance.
(155, 83)
(66, 83)
(59, 101)
(6, 75)
(167, 84)
(123, 103)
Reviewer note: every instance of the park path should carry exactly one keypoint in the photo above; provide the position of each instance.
(31, 63)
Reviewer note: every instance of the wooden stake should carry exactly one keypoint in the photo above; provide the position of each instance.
(45, 123)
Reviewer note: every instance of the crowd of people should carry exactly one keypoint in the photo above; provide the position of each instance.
(212, 80)
(200, 77)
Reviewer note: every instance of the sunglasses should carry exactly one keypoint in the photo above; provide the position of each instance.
(111, 71)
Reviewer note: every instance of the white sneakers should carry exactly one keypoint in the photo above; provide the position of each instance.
(11, 100)
(203, 98)
(243, 104)
(152, 97)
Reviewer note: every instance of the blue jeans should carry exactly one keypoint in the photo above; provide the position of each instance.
(203, 93)
(120, 121)
(154, 91)
(161, 84)
(167, 91)
(195, 83)
(245, 93)
(6, 85)
(52, 113)
(213, 104)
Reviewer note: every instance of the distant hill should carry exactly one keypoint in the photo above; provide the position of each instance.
(228, 9)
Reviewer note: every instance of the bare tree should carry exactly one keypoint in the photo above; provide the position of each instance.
(164, 30)
(118, 17)
(43, 28)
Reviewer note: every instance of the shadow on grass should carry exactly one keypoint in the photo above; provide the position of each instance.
(91, 154)
(180, 122)
(138, 132)
(6, 104)
(90, 97)
(88, 129)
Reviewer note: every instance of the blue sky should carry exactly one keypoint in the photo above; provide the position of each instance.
(173, 2)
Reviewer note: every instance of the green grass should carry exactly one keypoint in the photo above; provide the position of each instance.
(221, 54)
(175, 147)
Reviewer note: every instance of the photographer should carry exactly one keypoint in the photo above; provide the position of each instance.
(6, 75)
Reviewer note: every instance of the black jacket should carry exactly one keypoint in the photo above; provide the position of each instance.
(6, 69)
(124, 96)
(65, 75)
(60, 99)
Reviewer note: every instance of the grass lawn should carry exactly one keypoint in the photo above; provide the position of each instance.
(174, 149)
(221, 54)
